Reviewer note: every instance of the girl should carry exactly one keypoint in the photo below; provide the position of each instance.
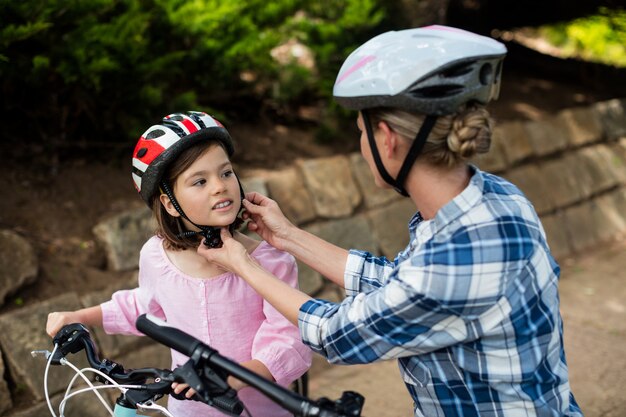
(470, 308)
(182, 170)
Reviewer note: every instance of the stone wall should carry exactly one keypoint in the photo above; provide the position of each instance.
(572, 166)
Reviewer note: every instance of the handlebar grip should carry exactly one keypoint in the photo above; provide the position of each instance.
(162, 332)
(228, 402)
(231, 404)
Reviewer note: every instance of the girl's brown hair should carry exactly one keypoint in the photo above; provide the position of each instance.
(169, 228)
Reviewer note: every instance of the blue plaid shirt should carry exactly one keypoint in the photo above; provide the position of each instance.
(470, 309)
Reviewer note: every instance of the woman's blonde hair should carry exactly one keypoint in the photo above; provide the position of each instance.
(454, 138)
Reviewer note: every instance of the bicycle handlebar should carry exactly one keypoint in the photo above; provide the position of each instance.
(75, 337)
(167, 335)
(350, 403)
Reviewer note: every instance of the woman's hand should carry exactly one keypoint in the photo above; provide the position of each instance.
(231, 256)
(267, 220)
(56, 320)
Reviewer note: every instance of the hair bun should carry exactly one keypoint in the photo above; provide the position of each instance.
(471, 132)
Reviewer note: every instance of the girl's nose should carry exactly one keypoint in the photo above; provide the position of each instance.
(218, 186)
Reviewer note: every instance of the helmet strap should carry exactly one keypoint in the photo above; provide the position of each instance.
(414, 151)
(376, 155)
(211, 234)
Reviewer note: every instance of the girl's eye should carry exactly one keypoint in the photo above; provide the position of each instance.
(199, 182)
(228, 173)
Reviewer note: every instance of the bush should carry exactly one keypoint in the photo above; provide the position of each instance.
(597, 38)
(96, 72)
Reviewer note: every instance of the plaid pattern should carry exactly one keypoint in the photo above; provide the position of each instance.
(470, 309)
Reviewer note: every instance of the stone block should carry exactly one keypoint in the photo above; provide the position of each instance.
(153, 355)
(123, 235)
(612, 115)
(390, 226)
(331, 185)
(287, 188)
(557, 235)
(351, 233)
(619, 160)
(309, 280)
(531, 181)
(610, 214)
(495, 160)
(5, 394)
(373, 195)
(254, 184)
(23, 331)
(580, 224)
(597, 169)
(560, 177)
(547, 136)
(111, 345)
(86, 404)
(583, 125)
(18, 263)
(514, 139)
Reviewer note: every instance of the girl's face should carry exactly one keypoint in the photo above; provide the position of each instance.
(208, 191)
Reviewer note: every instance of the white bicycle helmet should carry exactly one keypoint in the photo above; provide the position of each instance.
(432, 70)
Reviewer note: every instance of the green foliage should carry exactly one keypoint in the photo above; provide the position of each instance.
(102, 70)
(599, 38)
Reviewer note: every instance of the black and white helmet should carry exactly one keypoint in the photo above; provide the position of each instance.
(163, 143)
(431, 70)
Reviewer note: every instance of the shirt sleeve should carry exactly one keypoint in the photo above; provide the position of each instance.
(448, 292)
(277, 343)
(120, 313)
(365, 272)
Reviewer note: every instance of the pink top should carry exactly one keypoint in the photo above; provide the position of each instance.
(222, 311)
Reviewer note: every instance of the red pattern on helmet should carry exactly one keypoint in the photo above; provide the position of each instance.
(153, 149)
(191, 126)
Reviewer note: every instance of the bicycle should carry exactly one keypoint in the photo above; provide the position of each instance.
(205, 371)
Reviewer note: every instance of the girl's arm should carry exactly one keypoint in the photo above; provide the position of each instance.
(91, 316)
(255, 366)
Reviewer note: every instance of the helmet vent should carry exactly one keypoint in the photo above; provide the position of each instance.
(457, 70)
(437, 91)
(156, 133)
(486, 72)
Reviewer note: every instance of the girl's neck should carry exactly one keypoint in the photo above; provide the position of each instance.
(190, 263)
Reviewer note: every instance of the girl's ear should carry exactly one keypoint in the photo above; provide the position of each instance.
(390, 139)
(169, 207)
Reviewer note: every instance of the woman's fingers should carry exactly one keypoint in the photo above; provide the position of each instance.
(252, 208)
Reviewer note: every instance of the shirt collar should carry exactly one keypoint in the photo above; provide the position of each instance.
(462, 203)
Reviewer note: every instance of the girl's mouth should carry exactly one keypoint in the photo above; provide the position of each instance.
(223, 204)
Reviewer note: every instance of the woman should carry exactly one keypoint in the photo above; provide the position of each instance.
(470, 308)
